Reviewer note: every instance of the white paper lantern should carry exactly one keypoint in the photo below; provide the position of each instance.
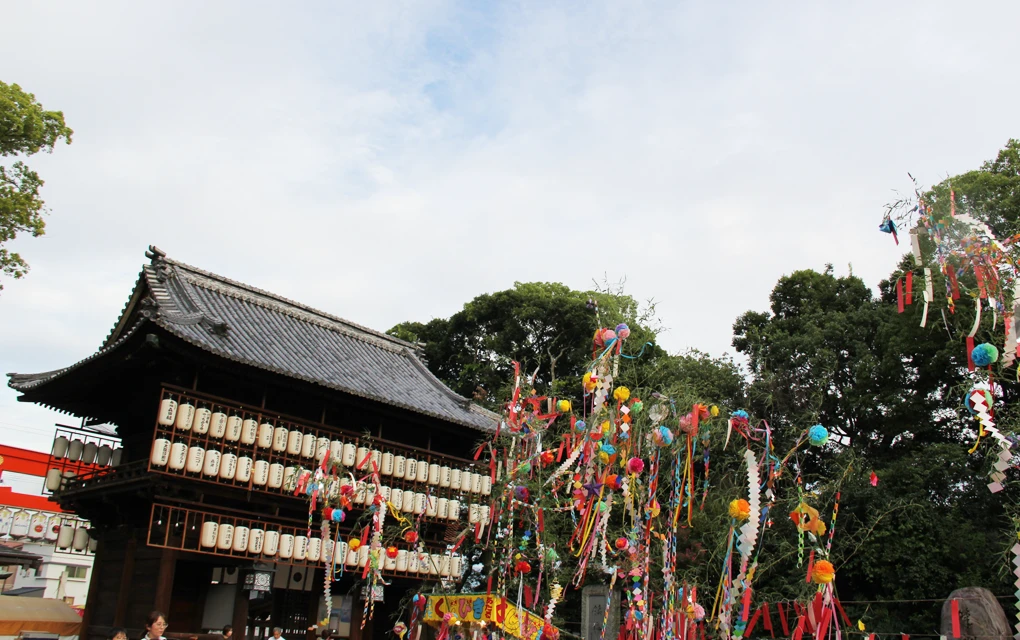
(444, 476)
(265, 439)
(363, 555)
(419, 503)
(443, 508)
(432, 508)
(476, 483)
(217, 423)
(53, 479)
(233, 432)
(399, 466)
(275, 476)
(407, 502)
(225, 537)
(473, 514)
(93, 544)
(350, 455)
(376, 461)
(249, 430)
(321, 448)
(294, 442)
(454, 510)
(185, 415)
(240, 544)
(370, 493)
(228, 466)
(386, 466)
(286, 546)
(88, 452)
(352, 558)
(256, 538)
(200, 423)
(290, 475)
(167, 411)
(243, 473)
(445, 566)
(178, 456)
(433, 477)
(486, 485)
(300, 547)
(74, 450)
(280, 439)
(360, 490)
(385, 492)
(208, 537)
(390, 564)
(118, 453)
(271, 544)
(411, 469)
(66, 536)
(397, 497)
(211, 466)
(483, 514)
(160, 453)
(20, 523)
(308, 445)
(413, 562)
(422, 471)
(456, 565)
(361, 462)
(314, 549)
(260, 473)
(435, 561)
(52, 528)
(455, 479)
(336, 449)
(104, 455)
(59, 447)
(402, 560)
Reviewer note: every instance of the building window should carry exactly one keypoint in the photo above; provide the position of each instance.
(76, 572)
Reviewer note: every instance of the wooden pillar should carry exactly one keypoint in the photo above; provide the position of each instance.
(356, 630)
(126, 580)
(240, 620)
(90, 603)
(165, 580)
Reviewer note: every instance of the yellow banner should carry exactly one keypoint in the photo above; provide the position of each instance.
(519, 623)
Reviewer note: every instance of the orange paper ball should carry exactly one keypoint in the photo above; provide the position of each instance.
(823, 572)
(740, 509)
(354, 544)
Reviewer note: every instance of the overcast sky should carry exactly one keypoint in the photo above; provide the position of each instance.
(390, 161)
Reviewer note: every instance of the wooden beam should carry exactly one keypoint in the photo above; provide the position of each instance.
(165, 579)
(90, 603)
(240, 619)
(126, 580)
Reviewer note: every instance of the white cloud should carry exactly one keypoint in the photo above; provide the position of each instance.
(391, 162)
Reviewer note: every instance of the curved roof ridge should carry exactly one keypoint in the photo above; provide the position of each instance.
(262, 296)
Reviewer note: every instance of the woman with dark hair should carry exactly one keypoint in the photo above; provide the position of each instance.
(155, 625)
(117, 633)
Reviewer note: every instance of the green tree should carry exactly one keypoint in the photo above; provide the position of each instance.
(26, 128)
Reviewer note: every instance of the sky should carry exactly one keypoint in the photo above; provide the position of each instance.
(390, 161)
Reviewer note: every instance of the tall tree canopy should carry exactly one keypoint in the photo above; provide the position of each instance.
(26, 128)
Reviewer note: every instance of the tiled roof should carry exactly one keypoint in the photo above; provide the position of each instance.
(257, 328)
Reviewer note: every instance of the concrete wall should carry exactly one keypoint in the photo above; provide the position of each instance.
(48, 576)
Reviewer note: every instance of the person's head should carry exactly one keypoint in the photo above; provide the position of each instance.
(155, 624)
(326, 634)
(117, 633)
(277, 632)
(228, 631)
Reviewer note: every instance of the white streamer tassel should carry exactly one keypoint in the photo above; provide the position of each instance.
(984, 416)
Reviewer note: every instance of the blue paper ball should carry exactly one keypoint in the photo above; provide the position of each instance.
(818, 435)
(984, 354)
(580, 426)
(338, 515)
(608, 449)
(740, 413)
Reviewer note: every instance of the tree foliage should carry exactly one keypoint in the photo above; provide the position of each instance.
(26, 128)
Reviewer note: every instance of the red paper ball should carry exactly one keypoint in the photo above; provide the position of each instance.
(548, 457)
(621, 543)
(635, 465)
(391, 552)
(411, 537)
(523, 567)
(327, 513)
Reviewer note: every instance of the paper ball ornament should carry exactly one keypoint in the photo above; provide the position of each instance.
(740, 509)
(354, 544)
(622, 331)
(580, 426)
(563, 406)
(608, 335)
(662, 436)
(327, 513)
(391, 552)
(635, 465)
(823, 572)
(621, 543)
(614, 481)
(608, 449)
(984, 354)
(636, 407)
(523, 566)
(969, 403)
(522, 493)
(818, 435)
(621, 394)
(338, 515)
(411, 537)
(548, 457)
(699, 612)
(589, 384)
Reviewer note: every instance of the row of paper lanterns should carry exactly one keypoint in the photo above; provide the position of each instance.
(195, 459)
(39, 526)
(286, 546)
(88, 452)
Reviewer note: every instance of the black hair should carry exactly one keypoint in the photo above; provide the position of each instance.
(116, 630)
